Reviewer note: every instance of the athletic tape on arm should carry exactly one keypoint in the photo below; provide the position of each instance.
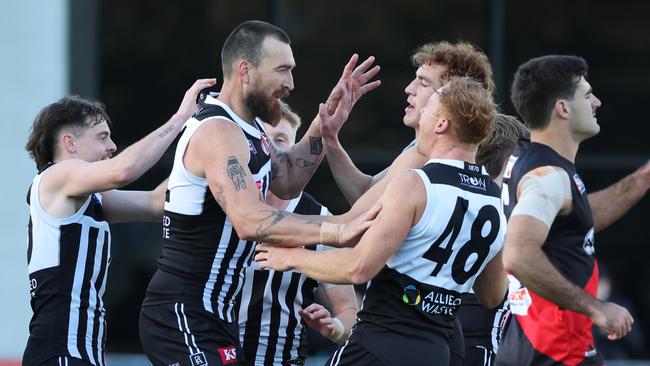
(542, 197)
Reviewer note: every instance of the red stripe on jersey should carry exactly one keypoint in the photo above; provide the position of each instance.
(562, 335)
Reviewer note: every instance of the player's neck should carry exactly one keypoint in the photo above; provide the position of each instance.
(453, 150)
(276, 202)
(232, 97)
(558, 139)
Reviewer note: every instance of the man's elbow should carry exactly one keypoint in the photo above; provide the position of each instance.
(360, 273)
(245, 228)
(508, 257)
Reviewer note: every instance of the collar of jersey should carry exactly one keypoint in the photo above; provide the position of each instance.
(457, 163)
(250, 129)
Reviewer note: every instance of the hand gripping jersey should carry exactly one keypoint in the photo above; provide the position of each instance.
(203, 259)
(410, 305)
(271, 330)
(68, 259)
(540, 333)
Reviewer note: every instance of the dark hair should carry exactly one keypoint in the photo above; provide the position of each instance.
(540, 82)
(469, 107)
(71, 113)
(500, 143)
(245, 42)
(461, 59)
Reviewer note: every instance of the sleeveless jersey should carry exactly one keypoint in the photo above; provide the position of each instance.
(203, 259)
(270, 328)
(417, 294)
(533, 335)
(68, 259)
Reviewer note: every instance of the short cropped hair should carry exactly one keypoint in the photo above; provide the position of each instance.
(245, 42)
(495, 149)
(291, 116)
(469, 108)
(540, 82)
(71, 113)
(461, 59)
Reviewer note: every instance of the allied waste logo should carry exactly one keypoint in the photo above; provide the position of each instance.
(411, 295)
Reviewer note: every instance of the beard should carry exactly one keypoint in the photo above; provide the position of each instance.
(268, 109)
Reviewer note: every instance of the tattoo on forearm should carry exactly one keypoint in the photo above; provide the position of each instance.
(236, 173)
(282, 158)
(302, 163)
(315, 145)
(262, 232)
(263, 237)
(220, 197)
(167, 131)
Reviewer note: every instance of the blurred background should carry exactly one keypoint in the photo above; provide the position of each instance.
(139, 57)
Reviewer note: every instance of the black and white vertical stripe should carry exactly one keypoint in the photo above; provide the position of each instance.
(270, 327)
(68, 259)
(203, 259)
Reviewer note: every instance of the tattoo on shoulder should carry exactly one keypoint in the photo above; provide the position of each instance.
(303, 163)
(316, 145)
(167, 131)
(220, 197)
(236, 173)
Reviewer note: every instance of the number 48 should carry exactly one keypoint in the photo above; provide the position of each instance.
(477, 243)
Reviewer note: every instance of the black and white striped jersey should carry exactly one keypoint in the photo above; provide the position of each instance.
(271, 331)
(203, 259)
(418, 292)
(68, 259)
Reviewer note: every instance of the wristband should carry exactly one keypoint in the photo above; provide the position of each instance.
(331, 233)
(338, 335)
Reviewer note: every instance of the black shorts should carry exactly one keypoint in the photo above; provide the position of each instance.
(177, 334)
(352, 353)
(478, 355)
(65, 361)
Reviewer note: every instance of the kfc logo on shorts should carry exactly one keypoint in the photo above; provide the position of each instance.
(198, 359)
(228, 355)
(266, 146)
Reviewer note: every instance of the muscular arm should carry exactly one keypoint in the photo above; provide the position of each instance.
(523, 257)
(219, 151)
(126, 206)
(610, 204)
(361, 263)
(79, 178)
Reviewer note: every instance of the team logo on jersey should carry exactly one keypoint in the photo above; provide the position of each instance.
(579, 183)
(228, 355)
(511, 163)
(411, 295)
(198, 359)
(472, 182)
(266, 146)
(588, 244)
(251, 147)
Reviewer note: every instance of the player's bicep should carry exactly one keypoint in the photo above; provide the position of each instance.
(395, 220)
(543, 193)
(224, 153)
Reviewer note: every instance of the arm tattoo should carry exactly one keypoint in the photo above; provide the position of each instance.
(220, 197)
(166, 131)
(236, 173)
(302, 163)
(316, 145)
(262, 232)
(281, 159)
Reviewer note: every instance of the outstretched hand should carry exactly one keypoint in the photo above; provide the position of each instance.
(353, 84)
(189, 106)
(273, 257)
